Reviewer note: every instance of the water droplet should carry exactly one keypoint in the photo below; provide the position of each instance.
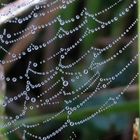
(104, 85)
(65, 83)
(85, 71)
(33, 100)
(35, 64)
(8, 36)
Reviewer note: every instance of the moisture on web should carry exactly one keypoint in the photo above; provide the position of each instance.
(59, 66)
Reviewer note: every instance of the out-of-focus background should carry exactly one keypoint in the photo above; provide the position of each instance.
(116, 123)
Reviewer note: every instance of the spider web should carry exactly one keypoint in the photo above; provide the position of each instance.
(64, 74)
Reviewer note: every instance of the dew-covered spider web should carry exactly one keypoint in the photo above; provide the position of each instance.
(60, 62)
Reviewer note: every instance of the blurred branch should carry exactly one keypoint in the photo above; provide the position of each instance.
(136, 128)
(103, 41)
(21, 45)
(132, 91)
(16, 8)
